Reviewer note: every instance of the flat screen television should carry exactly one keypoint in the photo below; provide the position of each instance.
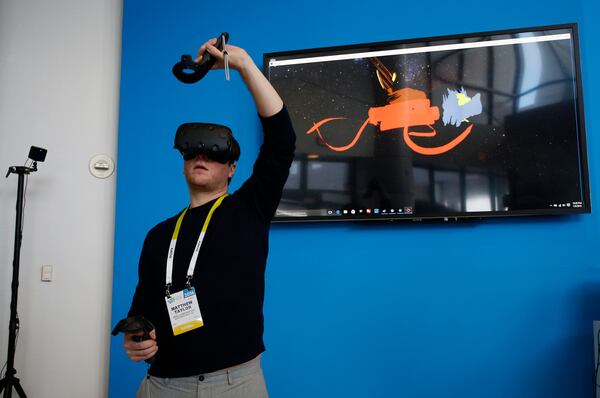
(453, 127)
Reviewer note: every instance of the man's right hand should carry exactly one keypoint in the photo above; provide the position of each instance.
(140, 351)
(266, 98)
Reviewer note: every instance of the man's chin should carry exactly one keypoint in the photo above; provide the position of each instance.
(199, 184)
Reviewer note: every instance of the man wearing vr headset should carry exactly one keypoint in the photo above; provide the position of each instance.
(207, 306)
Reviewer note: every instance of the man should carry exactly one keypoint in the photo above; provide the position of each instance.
(214, 344)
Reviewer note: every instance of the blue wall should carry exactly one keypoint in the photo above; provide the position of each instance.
(501, 308)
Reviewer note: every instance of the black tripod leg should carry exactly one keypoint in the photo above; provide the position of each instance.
(7, 385)
(7, 388)
(19, 389)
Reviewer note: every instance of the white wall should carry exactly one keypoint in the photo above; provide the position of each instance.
(59, 82)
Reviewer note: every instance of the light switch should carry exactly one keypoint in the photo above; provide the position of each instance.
(46, 273)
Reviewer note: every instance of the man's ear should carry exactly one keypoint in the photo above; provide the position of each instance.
(231, 170)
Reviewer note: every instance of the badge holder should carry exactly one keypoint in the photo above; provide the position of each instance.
(183, 308)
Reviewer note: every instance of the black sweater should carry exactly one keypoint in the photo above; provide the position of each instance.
(229, 274)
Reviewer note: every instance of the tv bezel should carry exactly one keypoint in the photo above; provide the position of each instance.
(374, 46)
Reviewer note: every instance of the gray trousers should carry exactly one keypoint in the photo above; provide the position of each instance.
(241, 381)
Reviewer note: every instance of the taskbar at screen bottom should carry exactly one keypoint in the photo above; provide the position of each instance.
(408, 210)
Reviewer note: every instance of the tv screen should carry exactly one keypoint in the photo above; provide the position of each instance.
(474, 125)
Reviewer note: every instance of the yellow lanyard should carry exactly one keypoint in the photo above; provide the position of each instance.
(171, 255)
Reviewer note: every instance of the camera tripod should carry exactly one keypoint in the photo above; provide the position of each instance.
(10, 381)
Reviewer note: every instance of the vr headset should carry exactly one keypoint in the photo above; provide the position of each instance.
(214, 141)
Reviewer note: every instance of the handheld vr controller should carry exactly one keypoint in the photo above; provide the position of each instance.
(187, 71)
(135, 324)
